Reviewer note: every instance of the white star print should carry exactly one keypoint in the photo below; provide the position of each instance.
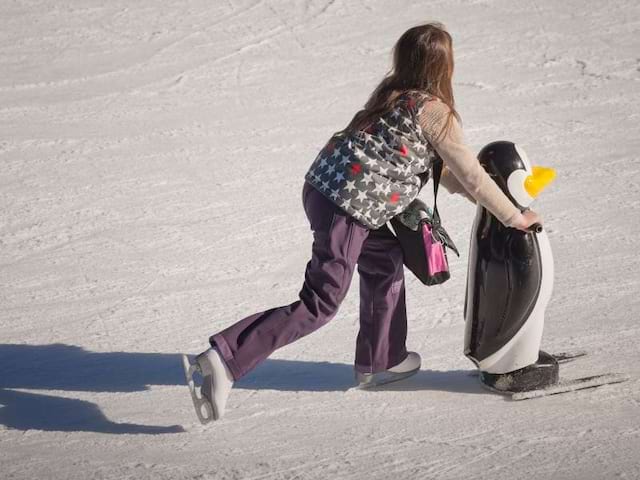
(378, 188)
(368, 177)
(380, 168)
(351, 185)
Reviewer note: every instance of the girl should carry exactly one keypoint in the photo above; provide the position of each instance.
(366, 174)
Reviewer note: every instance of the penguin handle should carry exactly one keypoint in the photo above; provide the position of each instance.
(535, 227)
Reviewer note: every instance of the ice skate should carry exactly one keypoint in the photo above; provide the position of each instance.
(409, 366)
(216, 384)
(543, 373)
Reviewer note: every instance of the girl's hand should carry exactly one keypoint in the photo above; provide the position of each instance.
(525, 220)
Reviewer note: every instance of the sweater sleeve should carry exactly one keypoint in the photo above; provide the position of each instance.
(451, 183)
(469, 175)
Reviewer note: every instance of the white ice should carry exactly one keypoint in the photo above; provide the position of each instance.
(152, 157)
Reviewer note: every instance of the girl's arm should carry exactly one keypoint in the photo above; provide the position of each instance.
(464, 164)
(451, 183)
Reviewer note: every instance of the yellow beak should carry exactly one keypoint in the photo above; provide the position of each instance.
(541, 177)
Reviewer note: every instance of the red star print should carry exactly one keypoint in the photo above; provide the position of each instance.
(395, 196)
(356, 168)
(403, 150)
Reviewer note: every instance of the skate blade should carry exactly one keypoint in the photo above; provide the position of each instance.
(383, 378)
(563, 386)
(570, 356)
(199, 402)
(575, 384)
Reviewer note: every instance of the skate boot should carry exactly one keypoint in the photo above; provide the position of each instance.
(216, 384)
(409, 366)
(538, 375)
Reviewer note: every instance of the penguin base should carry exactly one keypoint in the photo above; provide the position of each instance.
(543, 373)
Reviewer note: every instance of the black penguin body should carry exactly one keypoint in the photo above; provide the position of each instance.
(506, 290)
(503, 284)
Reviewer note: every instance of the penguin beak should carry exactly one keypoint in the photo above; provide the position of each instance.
(540, 178)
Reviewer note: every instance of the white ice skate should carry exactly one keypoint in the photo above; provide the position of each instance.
(216, 384)
(409, 366)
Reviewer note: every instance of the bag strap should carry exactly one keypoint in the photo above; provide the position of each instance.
(437, 172)
(438, 229)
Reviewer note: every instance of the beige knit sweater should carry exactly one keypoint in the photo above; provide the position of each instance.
(462, 172)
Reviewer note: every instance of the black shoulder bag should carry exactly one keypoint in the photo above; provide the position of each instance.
(423, 238)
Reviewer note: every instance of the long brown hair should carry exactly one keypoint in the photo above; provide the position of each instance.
(423, 62)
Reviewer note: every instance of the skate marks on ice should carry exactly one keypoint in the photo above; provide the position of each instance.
(572, 385)
(451, 381)
(67, 368)
(325, 376)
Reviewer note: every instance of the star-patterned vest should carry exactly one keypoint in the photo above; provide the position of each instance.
(372, 174)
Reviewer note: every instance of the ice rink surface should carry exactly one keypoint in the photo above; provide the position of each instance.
(152, 157)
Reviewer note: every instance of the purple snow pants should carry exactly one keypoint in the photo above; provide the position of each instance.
(339, 244)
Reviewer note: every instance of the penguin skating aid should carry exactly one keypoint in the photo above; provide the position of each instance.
(509, 283)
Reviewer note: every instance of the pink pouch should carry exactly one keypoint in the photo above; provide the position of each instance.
(424, 245)
(434, 252)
